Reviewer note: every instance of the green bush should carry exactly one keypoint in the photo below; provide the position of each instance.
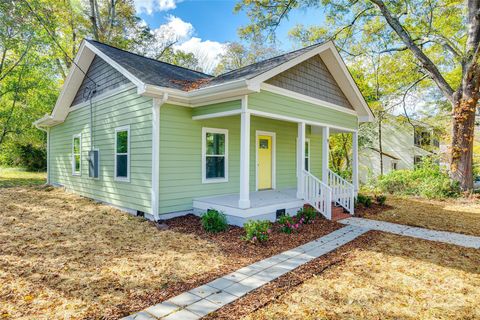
(381, 199)
(364, 199)
(427, 181)
(308, 214)
(286, 223)
(214, 221)
(257, 230)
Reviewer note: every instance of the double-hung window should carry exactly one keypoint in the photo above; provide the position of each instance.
(77, 155)
(214, 155)
(122, 153)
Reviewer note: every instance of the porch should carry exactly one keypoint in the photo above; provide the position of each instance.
(295, 149)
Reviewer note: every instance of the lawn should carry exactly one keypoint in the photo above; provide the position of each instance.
(63, 256)
(392, 277)
(455, 215)
(11, 177)
(66, 257)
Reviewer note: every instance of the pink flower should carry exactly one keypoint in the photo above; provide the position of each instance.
(269, 230)
(254, 238)
(296, 226)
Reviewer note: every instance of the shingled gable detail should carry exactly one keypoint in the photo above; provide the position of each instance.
(312, 78)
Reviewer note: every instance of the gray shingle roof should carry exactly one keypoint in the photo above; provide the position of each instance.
(154, 72)
(150, 71)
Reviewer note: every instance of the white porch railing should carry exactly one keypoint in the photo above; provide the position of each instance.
(343, 192)
(317, 194)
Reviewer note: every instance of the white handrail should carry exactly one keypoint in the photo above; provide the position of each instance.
(317, 194)
(343, 192)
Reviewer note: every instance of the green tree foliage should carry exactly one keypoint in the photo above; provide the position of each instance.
(238, 55)
(431, 44)
(38, 40)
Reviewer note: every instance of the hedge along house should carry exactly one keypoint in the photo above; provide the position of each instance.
(161, 140)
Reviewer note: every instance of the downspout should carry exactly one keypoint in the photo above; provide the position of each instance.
(155, 191)
(47, 130)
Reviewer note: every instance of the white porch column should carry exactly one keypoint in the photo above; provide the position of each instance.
(325, 153)
(300, 159)
(355, 161)
(155, 191)
(244, 201)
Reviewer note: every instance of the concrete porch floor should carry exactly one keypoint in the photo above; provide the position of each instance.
(263, 205)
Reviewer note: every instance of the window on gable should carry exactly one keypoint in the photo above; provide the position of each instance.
(215, 155)
(77, 155)
(122, 153)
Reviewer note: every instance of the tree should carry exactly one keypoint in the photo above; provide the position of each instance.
(441, 37)
(237, 55)
(180, 58)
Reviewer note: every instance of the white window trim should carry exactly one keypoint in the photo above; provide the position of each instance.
(127, 178)
(75, 173)
(307, 141)
(206, 130)
(274, 157)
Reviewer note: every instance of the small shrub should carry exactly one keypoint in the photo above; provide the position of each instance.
(286, 223)
(308, 214)
(289, 224)
(368, 202)
(214, 221)
(381, 199)
(364, 200)
(257, 230)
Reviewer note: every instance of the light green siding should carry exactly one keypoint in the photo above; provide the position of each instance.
(283, 105)
(217, 107)
(181, 156)
(125, 108)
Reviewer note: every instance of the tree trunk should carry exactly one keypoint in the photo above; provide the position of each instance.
(463, 126)
(93, 20)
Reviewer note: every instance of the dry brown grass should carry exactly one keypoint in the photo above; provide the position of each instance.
(392, 278)
(455, 215)
(66, 257)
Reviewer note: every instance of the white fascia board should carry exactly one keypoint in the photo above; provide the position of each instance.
(74, 78)
(200, 97)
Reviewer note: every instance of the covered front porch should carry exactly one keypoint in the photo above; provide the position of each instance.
(310, 179)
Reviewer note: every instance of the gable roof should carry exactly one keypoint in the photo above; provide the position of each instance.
(149, 70)
(192, 88)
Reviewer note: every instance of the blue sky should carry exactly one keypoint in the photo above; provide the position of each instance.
(203, 27)
(215, 20)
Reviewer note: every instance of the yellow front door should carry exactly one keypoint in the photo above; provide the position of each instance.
(264, 169)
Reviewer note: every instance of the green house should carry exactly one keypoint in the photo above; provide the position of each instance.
(159, 140)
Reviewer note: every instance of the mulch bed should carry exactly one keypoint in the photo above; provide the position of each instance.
(273, 291)
(240, 252)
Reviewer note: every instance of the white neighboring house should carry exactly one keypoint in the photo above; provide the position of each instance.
(403, 146)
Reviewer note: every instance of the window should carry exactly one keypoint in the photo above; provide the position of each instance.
(307, 154)
(394, 165)
(215, 155)
(77, 155)
(122, 153)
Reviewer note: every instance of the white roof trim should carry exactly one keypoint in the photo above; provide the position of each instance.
(203, 96)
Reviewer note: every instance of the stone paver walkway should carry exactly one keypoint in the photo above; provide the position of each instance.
(202, 300)
(422, 233)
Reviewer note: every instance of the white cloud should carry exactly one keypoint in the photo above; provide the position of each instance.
(151, 6)
(174, 29)
(207, 52)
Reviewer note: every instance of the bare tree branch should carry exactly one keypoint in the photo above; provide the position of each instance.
(427, 64)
